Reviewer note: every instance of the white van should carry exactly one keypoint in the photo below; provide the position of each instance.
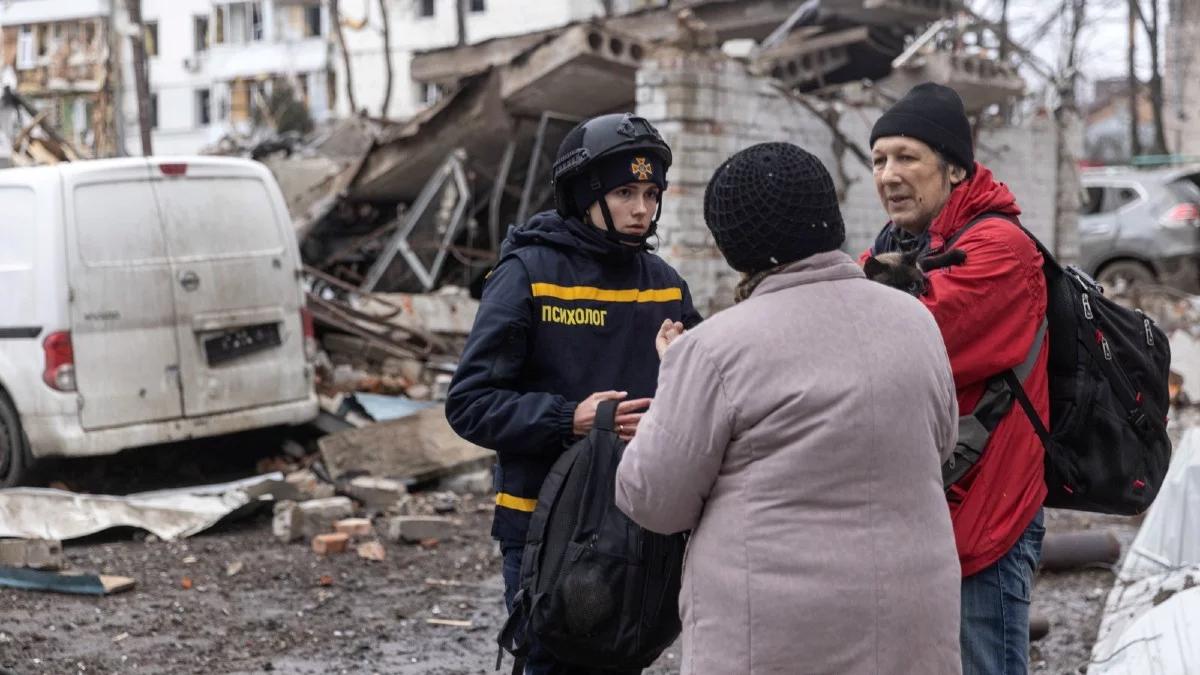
(146, 300)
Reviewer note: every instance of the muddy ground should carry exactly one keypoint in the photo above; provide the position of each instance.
(288, 610)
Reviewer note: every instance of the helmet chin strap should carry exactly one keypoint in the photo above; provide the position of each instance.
(611, 230)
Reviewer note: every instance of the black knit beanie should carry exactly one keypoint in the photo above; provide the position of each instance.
(772, 204)
(615, 171)
(934, 114)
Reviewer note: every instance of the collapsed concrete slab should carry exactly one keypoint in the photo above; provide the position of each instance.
(416, 449)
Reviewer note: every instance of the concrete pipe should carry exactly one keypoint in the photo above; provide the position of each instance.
(1070, 550)
(1039, 626)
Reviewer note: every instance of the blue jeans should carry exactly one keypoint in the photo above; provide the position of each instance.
(538, 662)
(995, 609)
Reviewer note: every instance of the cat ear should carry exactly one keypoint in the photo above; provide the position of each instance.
(872, 267)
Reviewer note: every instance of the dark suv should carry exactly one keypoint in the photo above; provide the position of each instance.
(1141, 227)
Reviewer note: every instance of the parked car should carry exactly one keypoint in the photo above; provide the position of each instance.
(146, 301)
(1141, 227)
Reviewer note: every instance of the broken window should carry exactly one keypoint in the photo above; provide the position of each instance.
(427, 93)
(219, 32)
(239, 107)
(43, 39)
(203, 107)
(26, 48)
(312, 21)
(256, 22)
(426, 8)
(200, 33)
(150, 37)
(239, 23)
(478, 6)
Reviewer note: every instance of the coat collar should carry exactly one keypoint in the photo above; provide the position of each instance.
(827, 266)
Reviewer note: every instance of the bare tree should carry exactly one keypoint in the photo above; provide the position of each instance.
(387, 59)
(1135, 141)
(335, 17)
(140, 76)
(1152, 30)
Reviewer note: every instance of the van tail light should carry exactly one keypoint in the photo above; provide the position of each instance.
(60, 362)
(310, 334)
(173, 169)
(1182, 215)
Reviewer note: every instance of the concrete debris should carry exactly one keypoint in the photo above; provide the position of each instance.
(307, 519)
(413, 449)
(475, 482)
(330, 542)
(38, 554)
(309, 484)
(43, 513)
(354, 527)
(371, 550)
(375, 493)
(415, 529)
(233, 568)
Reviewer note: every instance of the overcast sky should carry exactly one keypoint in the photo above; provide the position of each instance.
(1103, 41)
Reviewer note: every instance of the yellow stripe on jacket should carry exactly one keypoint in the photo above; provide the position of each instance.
(515, 503)
(544, 290)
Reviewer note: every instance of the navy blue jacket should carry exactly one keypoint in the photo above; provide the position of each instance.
(566, 313)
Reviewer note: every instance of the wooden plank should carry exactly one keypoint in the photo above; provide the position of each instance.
(416, 448)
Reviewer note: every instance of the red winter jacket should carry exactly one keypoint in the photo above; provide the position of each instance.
(989, 310)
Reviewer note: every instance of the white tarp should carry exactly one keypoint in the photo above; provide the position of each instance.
(43, 513)
(1170, 535)
(1151, 623)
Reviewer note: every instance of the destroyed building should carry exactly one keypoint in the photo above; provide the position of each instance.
(430, 199)
(58, 61)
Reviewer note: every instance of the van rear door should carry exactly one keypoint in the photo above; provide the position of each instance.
(237, 295)
(122, 306)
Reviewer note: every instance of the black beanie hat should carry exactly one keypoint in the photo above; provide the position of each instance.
(934, 114)
(772, 204)
(622, 168)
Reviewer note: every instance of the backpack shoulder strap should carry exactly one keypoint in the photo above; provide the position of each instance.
(975, 428)
(975, 221)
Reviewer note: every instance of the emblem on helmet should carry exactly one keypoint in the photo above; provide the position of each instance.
(641, 168)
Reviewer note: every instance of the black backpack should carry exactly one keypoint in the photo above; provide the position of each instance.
(1107, 448)
(596, 589)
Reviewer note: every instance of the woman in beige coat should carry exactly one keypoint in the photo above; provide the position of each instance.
(799, 436)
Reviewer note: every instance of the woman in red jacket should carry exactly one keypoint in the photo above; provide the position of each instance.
(989, 310)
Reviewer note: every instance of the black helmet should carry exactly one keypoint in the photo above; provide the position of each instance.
(596, 139)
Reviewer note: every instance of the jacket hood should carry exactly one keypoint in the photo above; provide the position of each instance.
(548, 228)
(979, 194)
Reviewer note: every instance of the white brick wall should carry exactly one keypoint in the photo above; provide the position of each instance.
(708, 107)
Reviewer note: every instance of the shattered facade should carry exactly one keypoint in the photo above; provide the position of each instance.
(60, 61)
(218, 69)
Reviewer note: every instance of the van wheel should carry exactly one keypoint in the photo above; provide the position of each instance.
(1125, 277)
(15, 460)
